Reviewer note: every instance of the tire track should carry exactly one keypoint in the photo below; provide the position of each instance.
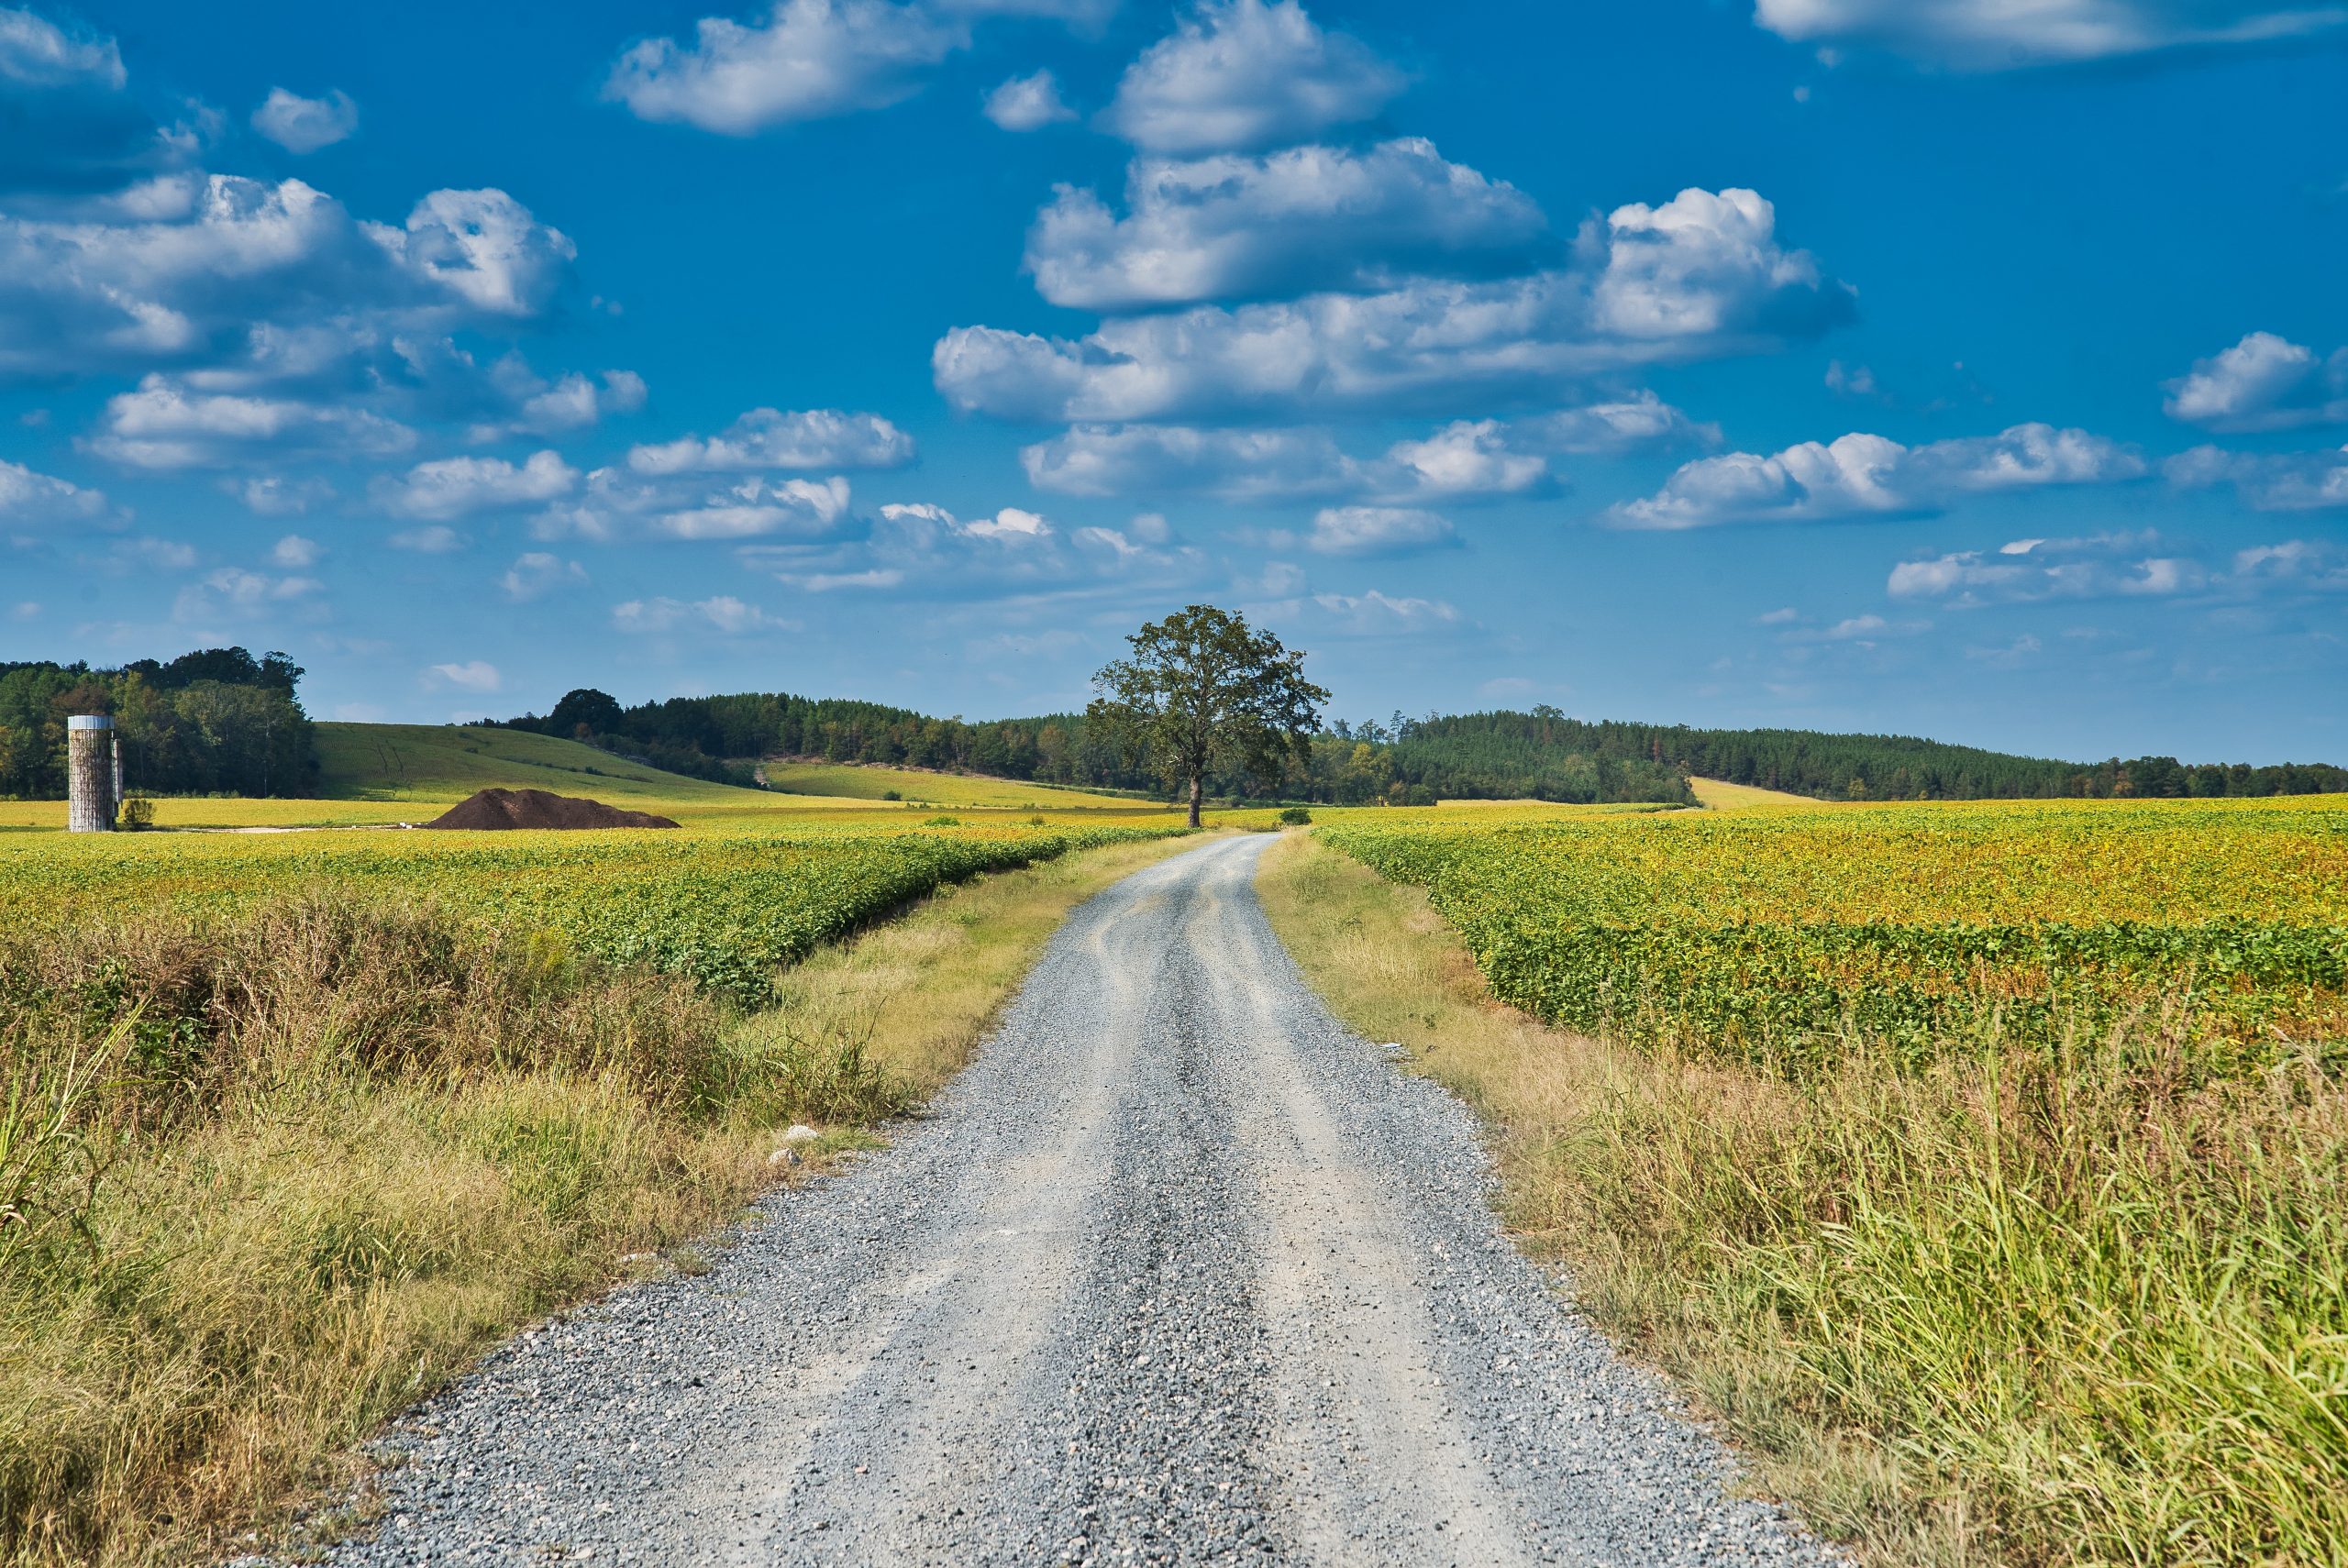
(1180, 1272)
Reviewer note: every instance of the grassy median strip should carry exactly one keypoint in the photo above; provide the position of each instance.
(333, 1149)
(1985, 1309)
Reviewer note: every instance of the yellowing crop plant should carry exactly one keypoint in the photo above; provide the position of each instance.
(724, 904)
(291, 1123)
(1771, 934)
(1985, 1165)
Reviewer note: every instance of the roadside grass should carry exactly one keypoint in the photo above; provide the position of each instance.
(915, 997)
(265, 1179)
(2001, 1308)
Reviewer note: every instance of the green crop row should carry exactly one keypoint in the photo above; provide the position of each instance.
(726, 908)
(1775, 937)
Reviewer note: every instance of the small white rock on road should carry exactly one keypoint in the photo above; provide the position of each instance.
(1180, 1271)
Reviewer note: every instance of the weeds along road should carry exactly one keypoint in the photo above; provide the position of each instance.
(1180, 1271)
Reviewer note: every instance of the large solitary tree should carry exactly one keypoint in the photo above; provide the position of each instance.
(1203, 690)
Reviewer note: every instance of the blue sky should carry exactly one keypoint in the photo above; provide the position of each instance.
(1933, 366)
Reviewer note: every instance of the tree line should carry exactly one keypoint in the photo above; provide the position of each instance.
(215, 722)
(1503, 755)
(220, 721)
(713, 738)
(1879, 768)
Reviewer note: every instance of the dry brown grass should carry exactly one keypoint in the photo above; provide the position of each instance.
(263, 1182)
(2001, 1309)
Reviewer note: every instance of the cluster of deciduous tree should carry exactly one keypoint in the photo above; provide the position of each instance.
(215, 721)
(698, 735)
(1346, 765)
(1498, 755)
(1862, 768)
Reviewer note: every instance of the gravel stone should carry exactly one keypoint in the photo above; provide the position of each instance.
(1180, 1271)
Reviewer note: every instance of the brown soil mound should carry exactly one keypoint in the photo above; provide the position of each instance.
(537, 808)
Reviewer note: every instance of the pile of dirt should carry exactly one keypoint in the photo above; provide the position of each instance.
(537, 808)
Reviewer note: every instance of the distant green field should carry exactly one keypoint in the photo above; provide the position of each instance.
(858, 781)
(445, 762)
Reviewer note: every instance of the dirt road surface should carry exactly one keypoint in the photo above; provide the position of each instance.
(1180, 1271)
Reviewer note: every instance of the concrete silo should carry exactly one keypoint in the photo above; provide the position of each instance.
(91, 773)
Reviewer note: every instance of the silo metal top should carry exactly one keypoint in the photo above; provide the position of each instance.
(89, 721)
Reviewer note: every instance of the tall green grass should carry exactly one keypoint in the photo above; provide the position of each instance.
(2102, 1317)
(264, 1179)
(2064, 1298)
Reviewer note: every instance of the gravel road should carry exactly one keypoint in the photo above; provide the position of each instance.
(1180, 1271)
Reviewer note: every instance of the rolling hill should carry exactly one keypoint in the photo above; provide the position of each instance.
(430, 763)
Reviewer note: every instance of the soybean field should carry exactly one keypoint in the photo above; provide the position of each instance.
(1771, 934)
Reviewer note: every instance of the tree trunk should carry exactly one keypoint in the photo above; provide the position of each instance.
(1197, 789)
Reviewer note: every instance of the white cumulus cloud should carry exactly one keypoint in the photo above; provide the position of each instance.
(483, 246)
(472, 675)
(1376, 530)
(810, 59)
(2270, 481)
(536, 573)
(725, 614)
(1311, 217)
(617, 503)
(2102, 566)
(29, 500)
(1701, 264)
(232, 593)
(457, 487)
(1239, 75)
(1637, 423)
(1461, 460)
(1029, 102)
(72, 131)
(1700, 277)
(165, 424)
(933, 550)
(1373, 614)
(769, 438)
(1858, 475)
(1085, 15)
(2264, 382)
(277, 495)
(204, 268)
(1997, 34)
(295, 553)
(573, 402)
(304, 125)
(1230, 465)
(2295, 563)
(37, 53)
(1466, 458)
(1010, 525)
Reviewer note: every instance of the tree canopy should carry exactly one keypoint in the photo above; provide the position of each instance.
(1203, 689)
(217, 721)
